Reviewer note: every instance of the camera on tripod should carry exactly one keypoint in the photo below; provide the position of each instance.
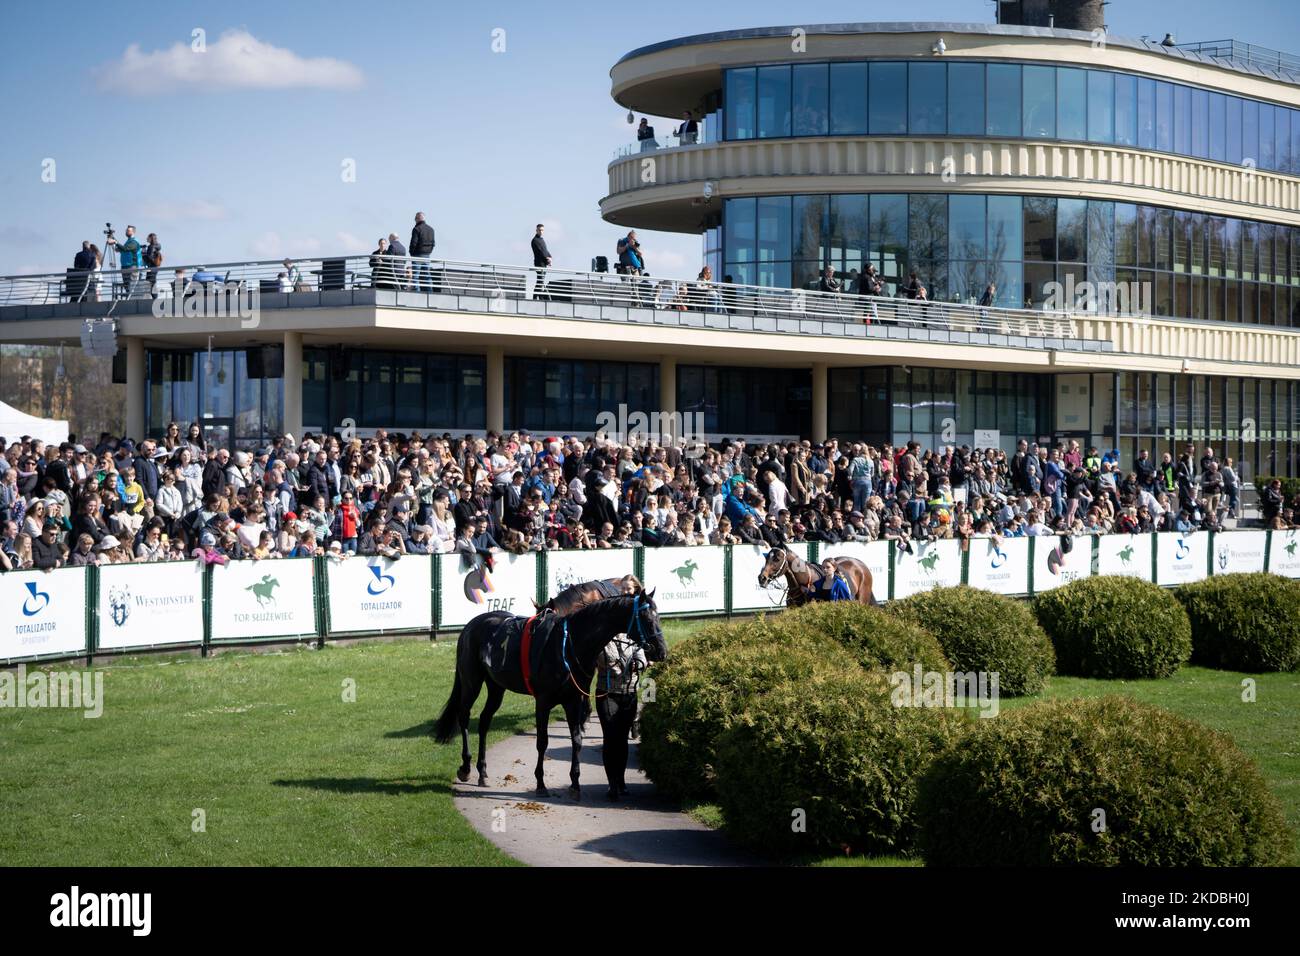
(108, 231)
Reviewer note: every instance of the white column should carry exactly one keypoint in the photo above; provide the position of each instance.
(293, 386)
(135, 386)
(820, 400)
(668, 392)
(496, 389)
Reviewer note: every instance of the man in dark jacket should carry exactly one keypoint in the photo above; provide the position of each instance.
(146, 472)
(214, 473)
(541, 259)
(319, 480)
(421, 247)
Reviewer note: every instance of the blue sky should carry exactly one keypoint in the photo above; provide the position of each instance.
(225, 167)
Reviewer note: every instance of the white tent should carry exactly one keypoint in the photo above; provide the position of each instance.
(15, 424)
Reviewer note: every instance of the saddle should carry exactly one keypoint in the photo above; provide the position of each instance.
(521, 645)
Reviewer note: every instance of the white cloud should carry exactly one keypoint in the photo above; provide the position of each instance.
(183, 211)
(237, 61)
(271, 245)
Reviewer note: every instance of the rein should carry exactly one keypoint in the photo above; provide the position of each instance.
(633, 625)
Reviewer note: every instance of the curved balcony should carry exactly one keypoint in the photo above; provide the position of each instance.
(666, 189)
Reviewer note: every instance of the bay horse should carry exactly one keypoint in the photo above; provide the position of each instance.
(802, 578)
(548, 657)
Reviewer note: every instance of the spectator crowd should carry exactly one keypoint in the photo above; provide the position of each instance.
(177, 497)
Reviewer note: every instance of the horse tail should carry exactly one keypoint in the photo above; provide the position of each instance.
(448, 722)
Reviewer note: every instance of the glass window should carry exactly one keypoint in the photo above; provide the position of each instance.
(1183, 120)
(966, 99)
(1214, 235)
(1250, 132)
(847, 236)
(1232, 248)
(927, 98)
(1146, 113)
(1003, 101)
(1005, 218)
(1040, 229)
(1126, 115)
(1071, 104)
(740, 98)
(1232, 129)
(1071, 219)
(848, 98)
(887, 238)
(1007, 277)
(1218, 123)
(408, 390)
(966, 227)
(773, 101)
(1040, 101)
(809, 213)
(1249, 248)
(773, 228)
(1164, 116)
(1295, 160)
(1267, 154)
(739, 230)
(1200, 115)
(887, 88)
(1101, 240)
(1101, 107)
(1162, 235)
(928, 241)
(1284, 159)
(1125, 234)
(811, 99)
(1179, 236)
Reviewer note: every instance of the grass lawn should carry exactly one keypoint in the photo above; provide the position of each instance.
(288, 773)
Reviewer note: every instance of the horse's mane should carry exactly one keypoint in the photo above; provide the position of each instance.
(575, 596)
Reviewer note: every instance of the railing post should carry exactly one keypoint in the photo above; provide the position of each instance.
(728, 579)
(207, 611)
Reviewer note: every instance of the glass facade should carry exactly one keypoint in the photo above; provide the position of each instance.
(746, 401)
(567, 395)
(215, 390)
(397, 390)
(1184, 264)
(1037, 101)
(1255, 422)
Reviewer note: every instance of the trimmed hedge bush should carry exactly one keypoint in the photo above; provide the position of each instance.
(707, 681)
(834, 747)
(1115, 627)
(1244, 622)
(982, 631)
(878, 639)
(1023, 790)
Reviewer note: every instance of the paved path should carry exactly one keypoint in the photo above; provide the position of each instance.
(642, 830)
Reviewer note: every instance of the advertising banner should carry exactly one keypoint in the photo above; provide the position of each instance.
(376, 594)
(874, 554)
(1181, 558)
(470, 589)
(1000, 566)
(45, 613)
(1236, 552)
(1059, 560)
(146, 605)
(931, 564)
(686, 580)
(747, 561)
(567, 568)
(1127, 555)
(252, 600)
(1284, 553)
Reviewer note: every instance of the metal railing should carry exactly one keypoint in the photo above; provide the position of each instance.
(670, 141)
(491, 286)
(1247, 53)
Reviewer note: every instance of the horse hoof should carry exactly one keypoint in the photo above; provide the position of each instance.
(482, 780)
(612, 796)
(463, 774)
(575, 792)
(543, 792)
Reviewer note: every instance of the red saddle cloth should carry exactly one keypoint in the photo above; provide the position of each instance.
(525, 655)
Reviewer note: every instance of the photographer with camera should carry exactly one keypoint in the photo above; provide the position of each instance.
(152, 255)
(129, 254)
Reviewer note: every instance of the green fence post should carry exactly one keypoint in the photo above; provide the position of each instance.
(893, 546)
(638, 564)
(728, 580)
(1155, 557)
(814, 552)
(541, 577)
(1094, 565)
(1033, 544)
(1209, 558)
(1268, 548)
(965, 562)
(435, 589)
(92, 613)
(322, 589)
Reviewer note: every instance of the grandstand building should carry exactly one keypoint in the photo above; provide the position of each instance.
(1041, 159)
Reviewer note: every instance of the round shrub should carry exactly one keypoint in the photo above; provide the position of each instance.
(1244, 622)
(878, 640)
(982, 631)
(1115, 627)
(836, 748)
(1025, 790)
(706, 681)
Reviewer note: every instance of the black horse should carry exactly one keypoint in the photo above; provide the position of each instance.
(548, 657)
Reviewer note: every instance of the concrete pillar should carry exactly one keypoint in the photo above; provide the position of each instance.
(820, 399)
(135, 388)
(668, 394)
(496, 389)
(293, 387)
